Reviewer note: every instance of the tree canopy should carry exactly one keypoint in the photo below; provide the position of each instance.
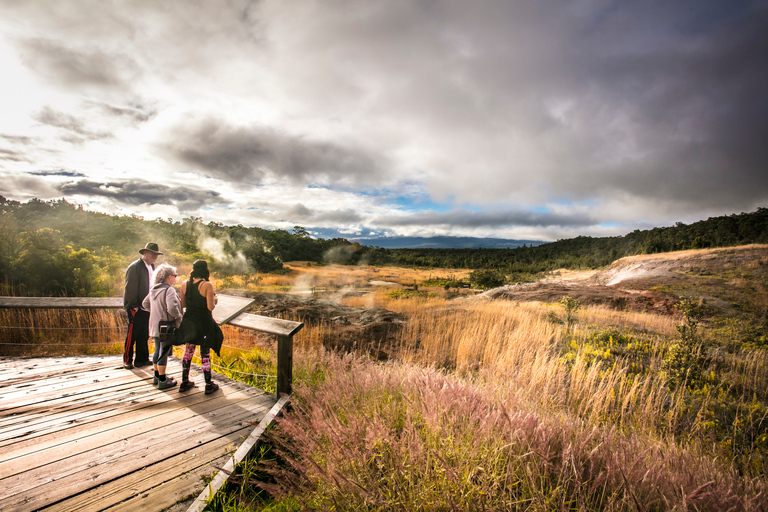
(57, 248)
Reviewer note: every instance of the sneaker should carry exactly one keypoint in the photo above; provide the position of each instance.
(140, 364)
(186, 385)
(211, 388)
(128, 366)
(155, 381)
(166, 384)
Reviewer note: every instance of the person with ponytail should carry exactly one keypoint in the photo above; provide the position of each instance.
(199, 328)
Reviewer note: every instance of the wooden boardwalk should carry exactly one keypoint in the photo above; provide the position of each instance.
(82, 433)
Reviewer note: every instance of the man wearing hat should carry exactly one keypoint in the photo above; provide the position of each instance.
(138, 277)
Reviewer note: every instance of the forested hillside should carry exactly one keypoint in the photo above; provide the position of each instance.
(59, 248)
(587, 252)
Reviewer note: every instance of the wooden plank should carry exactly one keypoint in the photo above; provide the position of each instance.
(128, 384)
(72, 386)
(267, 324)
(15, 375)
(160, 483)
(89, 422)
(28, 438)
(63, 377)
(30, 365)
(229, 306)
(116, 377)
(129, 427)
(47, 484)
(240, 455)
(40, 419)
(284, 365)
(132, 409)
(157, 482)
(61, 302)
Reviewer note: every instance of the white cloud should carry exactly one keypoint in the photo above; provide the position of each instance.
(603, 116)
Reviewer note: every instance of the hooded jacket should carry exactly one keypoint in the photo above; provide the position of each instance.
(163, 303)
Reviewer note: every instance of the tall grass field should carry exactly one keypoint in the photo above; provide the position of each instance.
(487, 405)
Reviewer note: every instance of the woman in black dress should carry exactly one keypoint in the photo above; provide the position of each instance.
(198, 326)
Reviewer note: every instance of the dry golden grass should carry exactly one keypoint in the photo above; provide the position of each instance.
(380, 298)
(635, 320)
(45, 332)
(304, 276)
(518, 341)
(675, 255)
(363, 274)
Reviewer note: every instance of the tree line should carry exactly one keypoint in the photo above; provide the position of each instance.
(584, 252)
(57, 248)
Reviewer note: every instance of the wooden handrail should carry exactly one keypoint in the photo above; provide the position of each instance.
(229, 310)
(61, 302)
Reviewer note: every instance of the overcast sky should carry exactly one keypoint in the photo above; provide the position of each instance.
(536, 119)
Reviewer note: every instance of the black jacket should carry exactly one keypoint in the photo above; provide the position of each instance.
(136, 284)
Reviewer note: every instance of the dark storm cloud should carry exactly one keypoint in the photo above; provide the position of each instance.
(300, 213)
(660, 102)
(23, 185)
(60, 172)
(243, 154)
(699, 112)
(490, 219)
(76, 67)
(334, 217)
(78, 130)
(139, 192)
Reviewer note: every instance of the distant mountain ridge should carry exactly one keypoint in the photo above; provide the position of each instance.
(444, 242)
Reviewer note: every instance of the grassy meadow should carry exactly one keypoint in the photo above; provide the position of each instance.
(484, 405)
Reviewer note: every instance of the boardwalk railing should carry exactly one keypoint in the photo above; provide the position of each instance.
(229, 310)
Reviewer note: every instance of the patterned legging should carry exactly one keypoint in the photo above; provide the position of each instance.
(186, 362)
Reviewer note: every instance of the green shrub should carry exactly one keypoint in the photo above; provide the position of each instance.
(485, 279)
(570, 305)
(407, 294)
(685, 358)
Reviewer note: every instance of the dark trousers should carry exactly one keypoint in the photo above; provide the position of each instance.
(138, 334)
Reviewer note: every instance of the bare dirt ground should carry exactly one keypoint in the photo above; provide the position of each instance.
(653, 283)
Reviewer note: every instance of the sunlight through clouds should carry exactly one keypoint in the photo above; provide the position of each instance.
(524, 120)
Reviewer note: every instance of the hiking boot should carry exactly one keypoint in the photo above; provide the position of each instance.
(156, 380)
(211, 388)
(166, 384)
(187, 384)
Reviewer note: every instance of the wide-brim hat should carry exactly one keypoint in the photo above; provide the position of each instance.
(151, 247)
